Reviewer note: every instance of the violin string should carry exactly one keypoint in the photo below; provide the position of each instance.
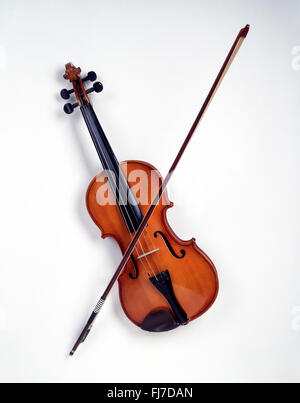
(144, 234)
(140, 242)
(152, 255)
(153, 247)
(131, 223)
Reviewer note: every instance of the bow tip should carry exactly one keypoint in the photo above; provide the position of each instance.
(244, 31)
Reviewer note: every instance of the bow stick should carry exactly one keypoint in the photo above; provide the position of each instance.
(229, 59)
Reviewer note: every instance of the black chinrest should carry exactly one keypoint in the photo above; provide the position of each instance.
(159, 321)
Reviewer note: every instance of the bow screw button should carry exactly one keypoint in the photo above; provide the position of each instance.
(69, 108)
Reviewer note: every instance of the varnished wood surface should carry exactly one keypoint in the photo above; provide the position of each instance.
(194, 277)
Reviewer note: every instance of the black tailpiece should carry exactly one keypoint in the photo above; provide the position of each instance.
(163, 283)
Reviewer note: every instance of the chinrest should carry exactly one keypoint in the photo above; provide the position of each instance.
(159, 321)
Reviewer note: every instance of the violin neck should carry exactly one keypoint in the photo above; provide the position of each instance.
(127, 203)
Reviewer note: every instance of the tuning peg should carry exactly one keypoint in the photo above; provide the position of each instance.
(69, 108)
(65, 94)
(97, 87)
(92, 76)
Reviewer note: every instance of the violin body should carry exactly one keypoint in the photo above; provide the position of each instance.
(193, 284)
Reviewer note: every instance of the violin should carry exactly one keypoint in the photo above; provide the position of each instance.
(164, 281)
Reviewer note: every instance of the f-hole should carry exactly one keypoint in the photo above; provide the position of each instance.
(169, 246)
(136, 274)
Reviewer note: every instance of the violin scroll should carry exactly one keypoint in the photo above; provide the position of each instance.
(72, 72)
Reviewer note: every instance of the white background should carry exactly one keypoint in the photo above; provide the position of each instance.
(236, 189)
